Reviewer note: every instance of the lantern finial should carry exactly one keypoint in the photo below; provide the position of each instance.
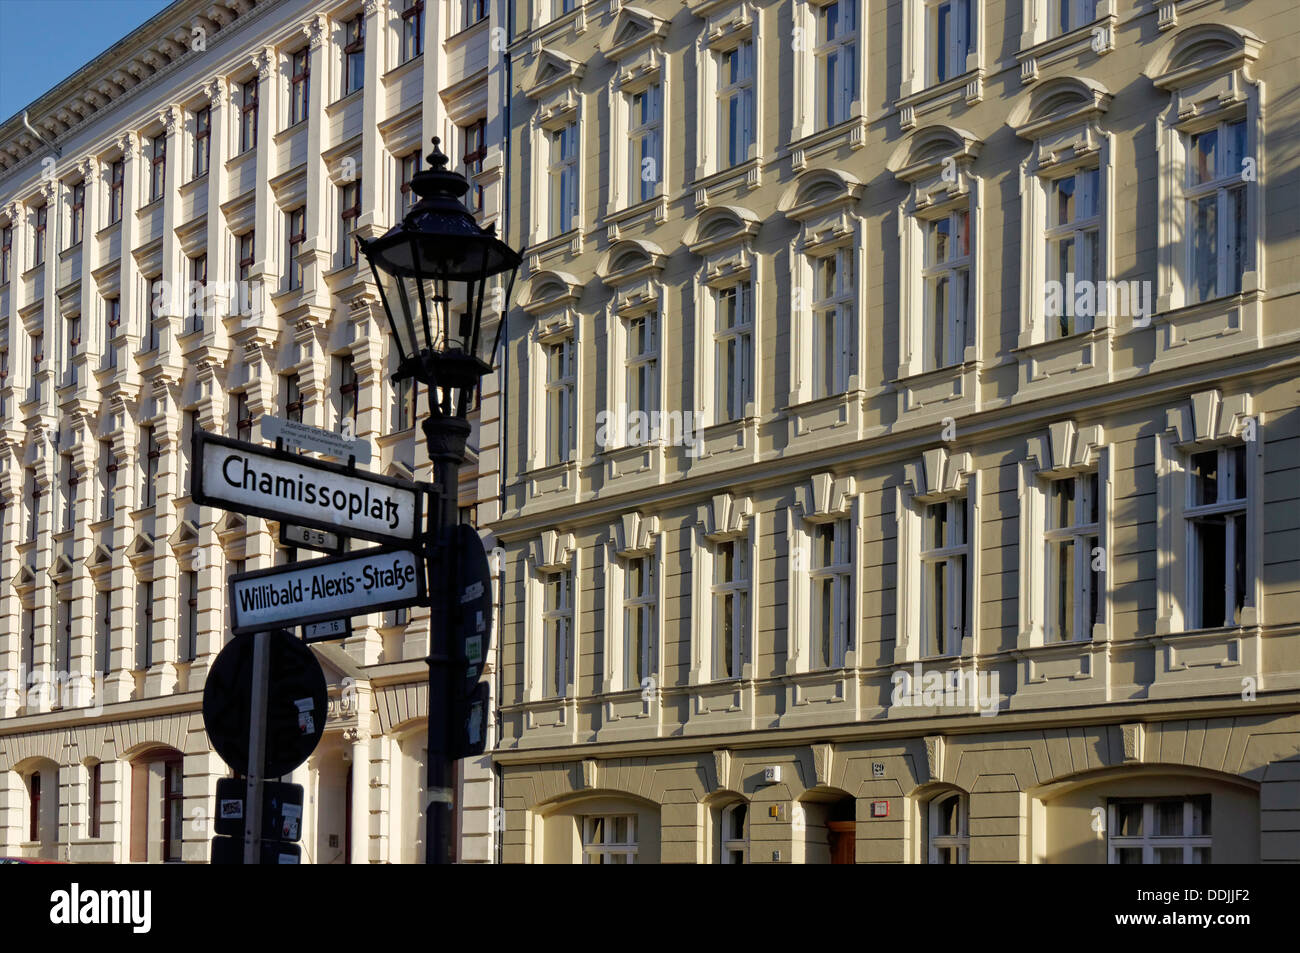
(437, 159)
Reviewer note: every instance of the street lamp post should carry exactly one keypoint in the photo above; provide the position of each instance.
(433, 270)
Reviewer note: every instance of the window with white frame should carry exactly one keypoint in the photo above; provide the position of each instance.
(734, 349)
(834, 321)
(947, 275)
(730, 606)
(557, 633)
(831, 572)
(563, 177)
(640, 600)
(1215, 194)
(354, 54)
(735, 104)
(645, 143)
(561, 383)
(950, 37)
(609, 839)
(642, 363)
(412, 29)
(733, 834)
(1064, 16)
(560, 7)
(837, 61)
(1073, 246)
(944, 575)
(1073, 536)
(947, 829)
(407, 166)
(1159, 831)
(1218, 497)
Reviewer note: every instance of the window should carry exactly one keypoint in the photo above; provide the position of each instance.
(639, 600)
(609, 839)
(1217, 499)
(77, 224)
(112, 322)
(144, 625)
(38, 357)
(154, 307)
(173, 809)
(412, 29)
(96, 810)
(296, 228)
(565, 6)
(348, 395)
(354, 54)
(1159, 831)
(107, 480)
(832, 593)
(736, 103)
(157, 166)
(103, 630)
(734, 343)
(244, 262)
(564, 179)
(947, 827)
(947, 288)
(1073, 538)
(1073, 244)
(1067, 15)
(1216, 211)
(475, 152)
(189, 425)
(733, 834)
(248, 115)
(149, 467)
(73, 327)
(643, 363)
(944, 576)
(293, 398)
(116, 178)
(560, 405)
(299, 86)
(6, 252)
(730, 607)
(62, 643)
(197, 294)
(474, 11)
(70, 480)
(837, 61)
(409, 165)
(202, 141)
(28, 648)
(645, 142)
(241, 417)
(951, 29)
(834, 347)
(189, 616)
(350, 210)
(405, 410)
(557, 633)
(38, 249)
(34, 807)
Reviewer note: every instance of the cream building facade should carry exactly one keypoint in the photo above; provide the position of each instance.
(902, 434)
(235, 147)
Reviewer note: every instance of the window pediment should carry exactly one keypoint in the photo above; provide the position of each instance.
(184, 537)
(634, 535)
(100, 560)
(825, 497)
(552, 73)
(551, 291)
(25, 579)
(1060, 104)
(1066, 448)
(725, 517)
(141, 550)
(633, 31)
(820, 194)
(1209, 418)
(938, 474)
(552, 551)
(61, 569)
(1203, 52)
(731, 25)
(630, 261)
(936, 162)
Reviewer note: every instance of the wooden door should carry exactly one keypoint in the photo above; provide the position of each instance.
(843, 838)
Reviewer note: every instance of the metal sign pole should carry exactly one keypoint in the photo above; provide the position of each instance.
(257, 748)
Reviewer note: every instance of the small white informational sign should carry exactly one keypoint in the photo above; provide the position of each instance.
(298, 436)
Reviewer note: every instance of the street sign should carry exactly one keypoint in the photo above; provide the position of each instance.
(278, 485)
(295, 709)
(281, 809)
(322, 541)
(471, 726)
(230, 850)
(318, 590)
(472, 636)
(327, 631)
(307, 437)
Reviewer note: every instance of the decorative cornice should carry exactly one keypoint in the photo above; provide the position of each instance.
(315, 28)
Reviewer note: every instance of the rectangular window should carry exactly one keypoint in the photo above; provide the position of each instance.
(348, 395)
(557, 627)
(560, 409)
(837, 61)
(354, 54)
(244, 264)
(1073, 568)
(241, 417)
(196, 295)
(565, 6)
(103, 630)
(834, 322)
(293, 398)
(154, 307)
(1218, 536)
(189, 425)
(189, 616)
(475, 10)
(296, 228)
(202, 141)
(34, 808)
(831, 631)
(609, 839)
(70, 481)
(78, 214)
(27, 651)
(73, 329)
(38, 248)
(947, 288)
(730, 607)
(405, 394)
(952, 38)
(62, 641)
(409, 165)
(643, 363)
(1159, 831)
(173, 809)
(144, 625)
(157, 166)
(248, 115)
(944, 576)
(734, 343)
(107, 480)
(475, 136)
(38, 357)
(1218, 249)
(564, 179)
(736, 104)
(1068, 15)
(112, 322)
(149, 467)
(1073, 240)
(412, 29)
(116, 179)
(299, 86)
(645, 143)
(6, 252)
(639, 600)
(96, 800)
(350, 211)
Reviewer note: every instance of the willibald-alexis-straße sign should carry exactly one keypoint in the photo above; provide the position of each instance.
(283, 486)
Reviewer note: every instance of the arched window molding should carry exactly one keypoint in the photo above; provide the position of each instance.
(947, 828)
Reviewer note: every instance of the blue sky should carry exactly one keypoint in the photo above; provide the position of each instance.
(80, 29)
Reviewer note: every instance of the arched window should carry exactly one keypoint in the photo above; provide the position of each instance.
(733, 834)
(948, 829)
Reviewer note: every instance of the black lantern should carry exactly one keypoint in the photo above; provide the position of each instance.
(421, 266)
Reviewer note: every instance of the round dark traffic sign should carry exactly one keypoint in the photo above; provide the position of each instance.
(473, 617)
(296, 703)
